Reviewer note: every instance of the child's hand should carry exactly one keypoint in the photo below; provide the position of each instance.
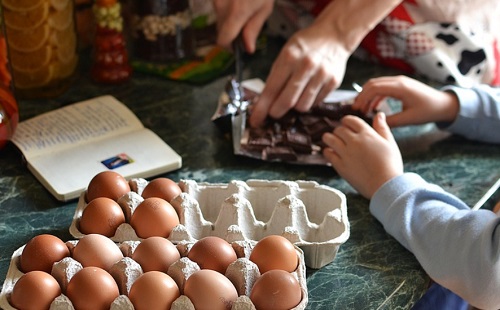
(366, 157)
(421, 103)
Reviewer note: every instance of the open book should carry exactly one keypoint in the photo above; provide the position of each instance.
(66, 147)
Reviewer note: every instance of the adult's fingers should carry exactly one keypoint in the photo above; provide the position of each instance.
(328, 86)
(292, 92)
(253, 27)
(228, 30)
(231, 18)
(319, 85)
(242, 16)
(276, 81)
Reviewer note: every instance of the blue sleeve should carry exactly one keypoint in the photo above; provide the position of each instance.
(458, 248)
(479, 115)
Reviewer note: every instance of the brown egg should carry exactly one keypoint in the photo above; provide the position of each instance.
(154, 290)
(107, 184)
(212, 253)
(277, 290)
(274, 252)
(41, 252)
(97, 251)
(102, 216)
(156, 253)
(154, 217)
(92, 288)
(163, 188)
(35, 290)
(209, 289)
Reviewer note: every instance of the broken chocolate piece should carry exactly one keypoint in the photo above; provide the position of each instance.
(259, 139)
(332, 123)
(259, 143)
(288, 120)
(316, 130)
(330, 110)
(298, 141)
(307, 119)
(281, 153)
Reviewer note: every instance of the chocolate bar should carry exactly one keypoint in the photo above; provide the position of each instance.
(296, 135)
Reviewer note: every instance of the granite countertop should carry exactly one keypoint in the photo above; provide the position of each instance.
(371, 270)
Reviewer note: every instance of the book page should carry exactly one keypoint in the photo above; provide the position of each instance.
(67, 173)
(74, 125)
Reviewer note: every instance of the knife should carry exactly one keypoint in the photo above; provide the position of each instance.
(487, 195)
(238, 64)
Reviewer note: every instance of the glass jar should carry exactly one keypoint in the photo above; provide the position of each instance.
(161, 30)
(204, 23)
(42, 41)
(110, 56)
(9, 113)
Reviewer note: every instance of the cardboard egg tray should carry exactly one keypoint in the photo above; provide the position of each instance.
(242, 273)
(312, 216)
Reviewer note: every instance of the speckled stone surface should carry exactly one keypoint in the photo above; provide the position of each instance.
(371, 270)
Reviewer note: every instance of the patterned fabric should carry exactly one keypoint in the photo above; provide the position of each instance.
(444, 50)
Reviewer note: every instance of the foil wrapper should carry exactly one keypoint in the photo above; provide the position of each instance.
(296, 137)
(232, 102)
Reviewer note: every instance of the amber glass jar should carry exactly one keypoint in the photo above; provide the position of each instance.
(9, 113)
(41, 36)
(161, 30)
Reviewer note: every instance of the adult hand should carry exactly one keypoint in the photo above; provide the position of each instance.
(245, 16)
(310, 65)
(420, 102)
(365, 157)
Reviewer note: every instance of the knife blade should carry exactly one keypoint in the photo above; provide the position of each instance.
(238, 64)
(487, 195)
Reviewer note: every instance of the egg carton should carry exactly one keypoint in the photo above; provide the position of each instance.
(312, 216)
(242, 273)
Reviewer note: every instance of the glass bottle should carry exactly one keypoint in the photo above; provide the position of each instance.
(110, 56)
(161, 30)
(9, 113)
(42, 41)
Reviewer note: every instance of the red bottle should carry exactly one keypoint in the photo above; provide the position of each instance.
(9, 112)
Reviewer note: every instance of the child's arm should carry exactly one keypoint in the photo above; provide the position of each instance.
(479, 114)
(471, 112)
(457, 247)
